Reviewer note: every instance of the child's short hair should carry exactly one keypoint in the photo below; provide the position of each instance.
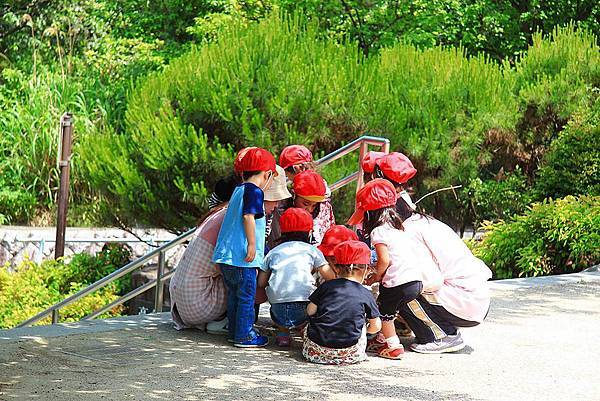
(246, 175)
(300, 167)
(300, 236)
(347, 270)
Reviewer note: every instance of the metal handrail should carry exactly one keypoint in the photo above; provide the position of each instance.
(128, 268)
(361, 143)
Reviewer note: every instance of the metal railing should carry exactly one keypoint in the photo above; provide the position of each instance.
(361, 143)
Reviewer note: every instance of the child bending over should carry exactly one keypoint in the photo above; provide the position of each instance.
(403, 277)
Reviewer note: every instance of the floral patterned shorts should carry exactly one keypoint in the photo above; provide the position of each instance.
(316, 353)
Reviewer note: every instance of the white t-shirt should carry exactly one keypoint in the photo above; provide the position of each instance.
(290, 265)
(465, 292)
(405, 264)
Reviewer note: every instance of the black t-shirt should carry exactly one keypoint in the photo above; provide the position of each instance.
(342, 306)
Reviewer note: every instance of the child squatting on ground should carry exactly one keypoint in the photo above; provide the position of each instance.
(287, 273)
(240, 245)
(402, 277)
(341, 311)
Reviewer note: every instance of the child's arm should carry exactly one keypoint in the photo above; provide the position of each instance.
(263, 278)
(250, 231)
(383, 260)
(326, 272)
(374, 325)
(311, 309)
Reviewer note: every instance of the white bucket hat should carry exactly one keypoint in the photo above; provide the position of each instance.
(278, 190)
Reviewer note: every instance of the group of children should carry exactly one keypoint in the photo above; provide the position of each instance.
(316, 274)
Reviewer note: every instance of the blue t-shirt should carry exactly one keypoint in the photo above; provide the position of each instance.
(342, 306)
(232, 243)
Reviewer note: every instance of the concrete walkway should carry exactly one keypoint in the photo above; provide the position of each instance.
(540, 342)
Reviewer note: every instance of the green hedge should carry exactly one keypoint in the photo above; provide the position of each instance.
(274, 83)
(552, 237)
(34, 287)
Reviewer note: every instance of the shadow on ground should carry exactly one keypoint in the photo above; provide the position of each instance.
(196, 366)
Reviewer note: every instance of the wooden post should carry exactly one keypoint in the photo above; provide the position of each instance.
(64, 164)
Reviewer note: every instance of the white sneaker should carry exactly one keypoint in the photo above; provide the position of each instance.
(217, 327)
(447, 344)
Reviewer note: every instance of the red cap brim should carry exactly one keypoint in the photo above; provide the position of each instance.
(356, 217)
(326, 250)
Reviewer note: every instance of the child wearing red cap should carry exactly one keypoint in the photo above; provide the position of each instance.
(332, 238)
(402, 277)
(368, 164)
(397, 169)
(296, 159)
(239, 250)
(310, 194)
(287, 273)
(338, 310)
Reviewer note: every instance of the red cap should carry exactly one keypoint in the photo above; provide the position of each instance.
(310, 185)
(295, 219)
(254, 159)
(397, 167)
(334, 236)
(374, 195)
(368, 162)
(294, 154)
(352, 252)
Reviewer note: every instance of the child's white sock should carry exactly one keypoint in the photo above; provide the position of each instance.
(393, 342)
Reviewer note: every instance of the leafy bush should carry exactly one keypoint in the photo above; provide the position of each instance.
(85, 268)
(17, 205)
(498, 199)
(33, 288)
(459, 118)
(572, 163)
(281, 85)
(553, 237)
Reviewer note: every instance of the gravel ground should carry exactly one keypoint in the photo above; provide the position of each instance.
(538, 343)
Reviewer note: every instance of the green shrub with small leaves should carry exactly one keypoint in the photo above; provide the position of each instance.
(32, 288)
(498, 199)
(572, 164)
(552, 237)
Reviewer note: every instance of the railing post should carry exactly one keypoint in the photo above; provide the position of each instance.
(364, 147)
(64, 162)
(158, 299)
(55, 316)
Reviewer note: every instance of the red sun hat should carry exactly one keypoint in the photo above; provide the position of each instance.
(254, 159)
(310, 185)
(295, 219)
(370, 159)
(374, 195)
(352, 252)
(334, 236)
(294, 154)
(397, 167)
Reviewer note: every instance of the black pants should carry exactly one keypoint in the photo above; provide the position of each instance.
(430, 322)
(391, 299)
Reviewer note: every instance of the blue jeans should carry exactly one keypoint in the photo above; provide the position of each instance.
(241, 289)
(289, 314)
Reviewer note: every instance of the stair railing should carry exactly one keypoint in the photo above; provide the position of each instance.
(361, 143)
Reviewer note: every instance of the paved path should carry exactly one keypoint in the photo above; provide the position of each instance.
(540, 342)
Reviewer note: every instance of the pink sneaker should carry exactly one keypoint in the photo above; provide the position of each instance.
(282, 340)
